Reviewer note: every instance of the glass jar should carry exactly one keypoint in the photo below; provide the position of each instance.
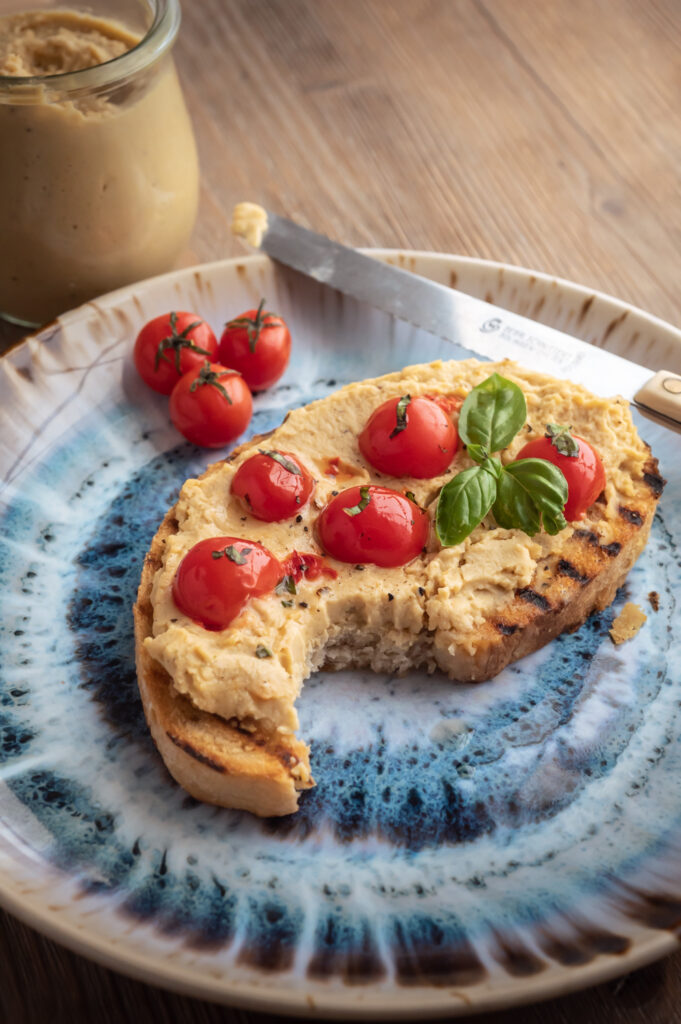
(98, 174)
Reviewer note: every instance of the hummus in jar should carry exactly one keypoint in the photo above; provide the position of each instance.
(101, 188)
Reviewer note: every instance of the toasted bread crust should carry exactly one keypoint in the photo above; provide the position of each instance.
(212, 759)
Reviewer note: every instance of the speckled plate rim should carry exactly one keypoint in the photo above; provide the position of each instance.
(629, 331)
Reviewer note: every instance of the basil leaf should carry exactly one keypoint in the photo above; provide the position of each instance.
(282, 460)
(493, 466)
(463, 503)
(553, 522)
(364, 499)
(492, 414)
(531, 493)
(477, 452)
(515, 508)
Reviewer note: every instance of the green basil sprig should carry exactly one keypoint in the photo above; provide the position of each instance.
(525, 495)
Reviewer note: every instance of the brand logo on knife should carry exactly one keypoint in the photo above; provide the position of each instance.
(672, 385)
(491, 325)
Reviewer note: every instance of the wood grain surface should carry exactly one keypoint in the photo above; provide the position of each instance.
(541, 132)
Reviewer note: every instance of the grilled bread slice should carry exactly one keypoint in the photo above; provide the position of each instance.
(224, 721)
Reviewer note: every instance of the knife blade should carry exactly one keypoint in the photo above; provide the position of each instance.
(480, 327)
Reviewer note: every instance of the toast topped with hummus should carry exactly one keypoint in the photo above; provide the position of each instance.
(336, 588)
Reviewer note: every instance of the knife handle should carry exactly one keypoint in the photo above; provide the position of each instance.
(662, 394)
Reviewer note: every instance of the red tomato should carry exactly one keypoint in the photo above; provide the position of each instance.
(211, 405)
(258, 345)
(273, 484)
(584, 471)
(373, 524)
(171, 345)
(217, 576)
(307, 565)
(409, 437)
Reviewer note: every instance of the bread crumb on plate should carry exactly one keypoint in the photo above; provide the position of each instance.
(627, 623)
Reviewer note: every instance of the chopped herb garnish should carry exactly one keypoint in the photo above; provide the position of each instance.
(401, 415)
(562, 440)
(364, 499)
(234, 554)
(282, 460)
(287, 585)
(287, 604)
(262, 652)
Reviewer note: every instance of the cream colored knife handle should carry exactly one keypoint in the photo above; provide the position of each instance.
(662, 394)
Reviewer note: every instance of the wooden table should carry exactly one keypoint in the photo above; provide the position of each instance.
(541, 132)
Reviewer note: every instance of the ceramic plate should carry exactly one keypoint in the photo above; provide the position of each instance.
(466, 847)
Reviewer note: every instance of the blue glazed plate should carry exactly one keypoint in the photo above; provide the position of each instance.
(466, 847)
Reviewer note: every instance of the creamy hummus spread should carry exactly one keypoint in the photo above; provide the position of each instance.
(89, 199)
(387, 619)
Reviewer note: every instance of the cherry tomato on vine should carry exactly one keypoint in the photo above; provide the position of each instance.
(373, 524)
(258, 345)
(217, 577)
(171, 345)
(274, 485)
(579, 462)
(211, 405)
(409, 437)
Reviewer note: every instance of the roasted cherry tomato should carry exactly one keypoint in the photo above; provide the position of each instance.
(258, 345)
(308, 566)
(211, 405)
(274, 485)
(217, 576)
(409, 437)
(373, 524)
(171, 345)
(579, 462)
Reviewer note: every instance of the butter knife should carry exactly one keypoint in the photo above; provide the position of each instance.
(470, 323)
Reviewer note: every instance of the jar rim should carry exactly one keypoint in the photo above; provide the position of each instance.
(158, 38)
